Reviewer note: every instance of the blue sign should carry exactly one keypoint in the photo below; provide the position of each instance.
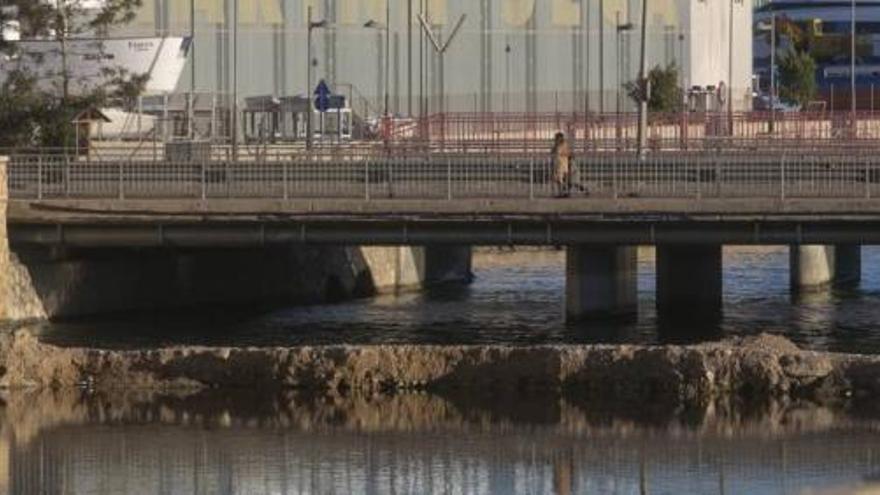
(322, 96)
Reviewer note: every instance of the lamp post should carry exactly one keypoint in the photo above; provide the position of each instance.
(602, 55)
(730, 69)
(507, 76)
(234, 108)
(644, 84)
(772, 30)
(310, 26)
(371, 24)
(621, 29)
(852, 71)
(192, 82)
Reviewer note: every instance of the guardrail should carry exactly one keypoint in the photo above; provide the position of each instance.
(453, 177)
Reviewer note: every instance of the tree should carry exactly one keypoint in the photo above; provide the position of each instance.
(797, 77)
(39, 96)
(664, 88)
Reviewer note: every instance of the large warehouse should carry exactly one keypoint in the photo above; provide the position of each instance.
(513, 55)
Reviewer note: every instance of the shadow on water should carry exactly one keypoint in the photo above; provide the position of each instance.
(255, 441)
(517, 298)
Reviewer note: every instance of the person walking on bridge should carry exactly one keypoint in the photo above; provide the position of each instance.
(561, 165)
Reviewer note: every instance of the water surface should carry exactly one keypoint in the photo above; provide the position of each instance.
(518, 299)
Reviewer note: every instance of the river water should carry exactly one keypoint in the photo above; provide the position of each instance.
(220, 443)
(518, 298)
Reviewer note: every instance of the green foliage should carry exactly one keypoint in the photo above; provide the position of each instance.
(36, 104)
(797, 77)
(665, 90)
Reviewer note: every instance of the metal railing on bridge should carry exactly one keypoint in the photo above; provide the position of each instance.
(455, 176)
(504, 134)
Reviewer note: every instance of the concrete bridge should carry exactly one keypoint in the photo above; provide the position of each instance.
(687, 205)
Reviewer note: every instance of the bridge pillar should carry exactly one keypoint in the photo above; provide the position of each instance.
(689, 285)
(848, 264)
(4, 244)
(600, 281)
(814, 267)
(398, 268)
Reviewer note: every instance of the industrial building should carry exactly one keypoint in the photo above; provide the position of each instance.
(509, 55)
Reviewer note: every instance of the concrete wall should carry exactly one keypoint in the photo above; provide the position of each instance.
(61, 282)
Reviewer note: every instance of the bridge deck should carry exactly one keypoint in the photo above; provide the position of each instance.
(615, 198)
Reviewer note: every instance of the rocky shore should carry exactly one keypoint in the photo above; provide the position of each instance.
(748, 369)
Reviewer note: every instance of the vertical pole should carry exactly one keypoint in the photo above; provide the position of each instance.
(588, 86)
(309, 78)
(387, 53)
(192, 51)
(234, 104)
(409, 58)
(852, 73)
(602, 56)
(773, 73)
(39, 177)
(643, 82)
(421, 64)
(507, 75)
(730, 72)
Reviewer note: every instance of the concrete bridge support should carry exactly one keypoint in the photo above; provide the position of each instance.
(689, 283)
(813, 267)
(600, 282)
(4, 244)
(59, 282)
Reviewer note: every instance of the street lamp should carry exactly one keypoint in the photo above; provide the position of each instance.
(371, 24)
(730, 69)
(311, 26)
(621, 29)
(852, 70)
(507, 76)
(602, 55)
(643, 83)
(772, 29)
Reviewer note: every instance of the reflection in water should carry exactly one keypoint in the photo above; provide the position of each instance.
(215, 443)
(518, 299)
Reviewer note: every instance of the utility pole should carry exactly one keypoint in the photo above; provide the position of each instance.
(772, 72)
(192, 59)
(387, 53)
(309, 28)
(644, 84)
(602, 56)
(852, 73)
(234, 107)
(409, 58)
(729, 72)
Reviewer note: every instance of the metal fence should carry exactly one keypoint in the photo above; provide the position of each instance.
(618, 131)
(504, 134)
(452, 177)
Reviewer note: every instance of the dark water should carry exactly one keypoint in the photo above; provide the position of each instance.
(152, 444)
(216, 442)
(518, 299)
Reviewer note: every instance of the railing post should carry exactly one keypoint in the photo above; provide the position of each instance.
(204, 180)
(782, 177)
(66, 177)
(39, 177)
(121, 180)
(531, 177)
(867, 178)
(285, 177)
(449, 179)
(366, 179)
(614, 185)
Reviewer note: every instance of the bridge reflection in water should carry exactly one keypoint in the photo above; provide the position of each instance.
(78, 442)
